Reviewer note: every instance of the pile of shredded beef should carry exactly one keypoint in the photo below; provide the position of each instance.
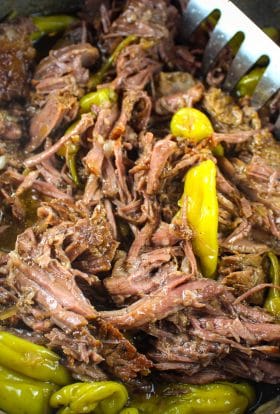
(98, 271)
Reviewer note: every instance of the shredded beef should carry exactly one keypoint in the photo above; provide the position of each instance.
(70, 228)
(226, 114)
(135, 68)
(191, 343)
(242, 272)
(101, 267)
(59, 79)
(57, 110)
(40, 269)
(142, 18)
(172, 103)
(74, 60)
(84, 123)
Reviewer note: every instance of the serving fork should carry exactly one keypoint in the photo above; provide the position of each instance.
(255, 45)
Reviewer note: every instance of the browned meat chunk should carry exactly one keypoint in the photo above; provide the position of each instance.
(226, 115)
(172, 103)
(242, 272)
(71, 60)
(58, 110)
(142, 18)
(59, 79)
(86, 239)
(17, 56)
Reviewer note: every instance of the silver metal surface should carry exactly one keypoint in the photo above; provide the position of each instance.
(255, 44)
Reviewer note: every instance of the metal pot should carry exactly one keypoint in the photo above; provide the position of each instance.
(263, 12)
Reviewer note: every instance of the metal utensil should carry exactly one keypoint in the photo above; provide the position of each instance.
(255, 44)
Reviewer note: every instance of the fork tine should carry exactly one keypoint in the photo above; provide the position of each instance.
(255, 45)
(220, 36)
(241, 63)
(194, 14)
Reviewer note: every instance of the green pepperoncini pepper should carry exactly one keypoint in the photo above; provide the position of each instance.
(272, 302)
(51, 24)
(248, 83)
(97, 78)
(69, 151)
(29, 375)
(201, 204)
(216, 398)
(102, 97)
(32, 360)
(106, 397)
(22, 395)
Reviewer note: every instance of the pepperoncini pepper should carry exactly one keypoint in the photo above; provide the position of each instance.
(97, 78)
(51, 24)
(34, 361)
(272, 302)
(8, 313)
(102, 97)
(248, 83)
(29, 375)
(106, 397)
(216, 398)
(69, 151)
(200, 204)
(192, 124)
(22, 395)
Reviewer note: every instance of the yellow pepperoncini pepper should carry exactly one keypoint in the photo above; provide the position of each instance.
(272, 302)
(201, 203)
(192, 124)
(216, 398)
(106, 397)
